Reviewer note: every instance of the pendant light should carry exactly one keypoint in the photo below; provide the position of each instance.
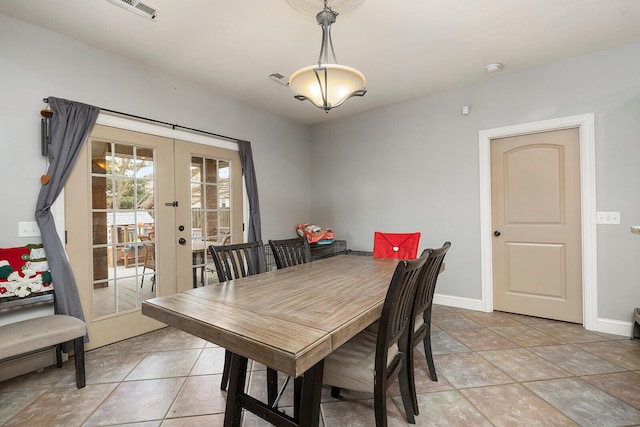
(328, 84)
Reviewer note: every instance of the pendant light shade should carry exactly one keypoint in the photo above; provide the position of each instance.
(328, 84)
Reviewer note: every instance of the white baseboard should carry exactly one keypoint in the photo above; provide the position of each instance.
(608, 326)
(29, 362)
(615, 327)
(458, 302)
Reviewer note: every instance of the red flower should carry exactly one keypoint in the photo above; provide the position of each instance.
(3, 290)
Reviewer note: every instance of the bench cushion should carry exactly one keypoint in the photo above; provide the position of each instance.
(40, 332)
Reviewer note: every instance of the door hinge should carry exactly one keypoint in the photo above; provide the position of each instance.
(174, 204)
(243, 226)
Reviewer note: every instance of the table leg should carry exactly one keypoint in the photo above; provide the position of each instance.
(308, 405)
(297, 397)
(272, 386)
(311, 393)
(237, 380)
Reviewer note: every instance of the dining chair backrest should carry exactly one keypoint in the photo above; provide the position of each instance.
(420, 326)
(290, 252)
(149, 260)
(149, 255)
(396, 245)
(371, 361)
(396, 311)
(427, 280)
(239, 260)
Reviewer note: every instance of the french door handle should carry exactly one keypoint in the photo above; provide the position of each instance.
(182, 241)
(174, 204)
(497, 233)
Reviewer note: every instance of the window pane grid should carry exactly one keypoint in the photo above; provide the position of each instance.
(210, 209)
(123, 212)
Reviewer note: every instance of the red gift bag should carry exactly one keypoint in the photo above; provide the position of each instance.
(396, 245)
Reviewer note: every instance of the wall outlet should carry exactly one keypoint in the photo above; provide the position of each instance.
(28, 229)
(608, 218)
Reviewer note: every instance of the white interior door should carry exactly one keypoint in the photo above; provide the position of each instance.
(537, 258)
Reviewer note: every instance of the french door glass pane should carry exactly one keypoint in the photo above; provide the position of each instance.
(123, 236)
(210, 209)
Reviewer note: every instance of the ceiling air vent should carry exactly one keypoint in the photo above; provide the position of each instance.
(137, 7)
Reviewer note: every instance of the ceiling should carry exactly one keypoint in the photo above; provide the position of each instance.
(406, 49)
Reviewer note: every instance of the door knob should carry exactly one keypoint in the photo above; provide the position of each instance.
(496, 233)
(182, 241)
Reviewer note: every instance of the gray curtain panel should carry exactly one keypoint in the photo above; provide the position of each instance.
(246, 158)
(70, 125)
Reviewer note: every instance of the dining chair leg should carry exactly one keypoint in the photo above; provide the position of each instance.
(406, 389)
(195, 276)
(335, 392)
(226, 370)
(428, 353)
(380, 405)
(411, 379)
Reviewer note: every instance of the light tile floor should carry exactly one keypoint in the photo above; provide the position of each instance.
(493, 369)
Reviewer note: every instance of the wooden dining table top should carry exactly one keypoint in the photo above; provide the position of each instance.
(287, 319)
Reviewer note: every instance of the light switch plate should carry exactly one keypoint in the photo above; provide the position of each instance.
(608, 218)
(28, 229)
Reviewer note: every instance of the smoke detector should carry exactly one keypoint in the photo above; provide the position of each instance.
(493, 68)
(138, 7)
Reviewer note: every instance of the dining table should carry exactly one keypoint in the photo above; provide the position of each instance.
(288, 320)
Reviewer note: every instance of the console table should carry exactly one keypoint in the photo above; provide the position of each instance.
(337, 247)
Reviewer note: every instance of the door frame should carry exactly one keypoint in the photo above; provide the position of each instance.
(585, 125)
(57, 208)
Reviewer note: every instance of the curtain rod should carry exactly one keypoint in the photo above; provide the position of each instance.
(173, 126)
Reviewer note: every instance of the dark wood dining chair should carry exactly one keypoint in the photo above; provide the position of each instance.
(290, 252)
(420, 328)
(234, 262)
(370, 362)
(149, 262)
(239, 260)
(287, 253)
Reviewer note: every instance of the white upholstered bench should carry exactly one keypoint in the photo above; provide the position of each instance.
(37, 333)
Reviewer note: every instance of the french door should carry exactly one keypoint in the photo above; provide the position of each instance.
(140, 211)
(209, 185)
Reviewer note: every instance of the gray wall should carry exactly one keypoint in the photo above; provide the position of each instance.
(414, 166)
(35, 63)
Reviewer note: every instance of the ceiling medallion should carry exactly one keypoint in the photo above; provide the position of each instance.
(311, 7)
